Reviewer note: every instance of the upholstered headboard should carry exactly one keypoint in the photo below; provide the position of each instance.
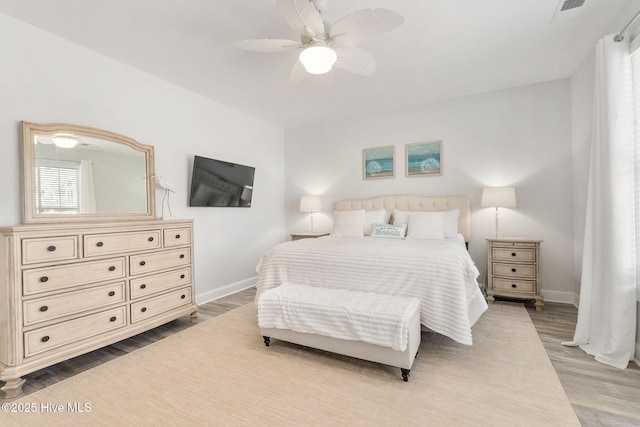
(416, 203)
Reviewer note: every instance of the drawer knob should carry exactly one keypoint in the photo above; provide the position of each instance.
(513, 254)
(177, 236)
(183, 296)
(45, 338)
(113, 319)
(51, 248)
(99, 244)
(112, 268)
(513, 270)
(181, 256)
(142, 263)
(44, 308)
(44, 279)
(182, 276)
(143, 286)
(112, 293)
(143, 309)
(513, 285)
(150, 239)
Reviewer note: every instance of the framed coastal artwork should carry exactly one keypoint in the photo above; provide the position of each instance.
(424, 158)
(378, 162)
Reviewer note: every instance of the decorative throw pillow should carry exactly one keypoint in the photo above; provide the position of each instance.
(375, 217)
(389, 231)
(348, 223)
(426, 225)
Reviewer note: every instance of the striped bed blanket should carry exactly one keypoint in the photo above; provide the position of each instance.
(440, 273)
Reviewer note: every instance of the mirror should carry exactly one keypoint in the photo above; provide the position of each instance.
(75, 173)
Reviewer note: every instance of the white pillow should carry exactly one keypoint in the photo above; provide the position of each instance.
(451, 224)
(348, 223)
(426, 225)
(400, 217)
(389, 231)
(450, 220)
(375, 217)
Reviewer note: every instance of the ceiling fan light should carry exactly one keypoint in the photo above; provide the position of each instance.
(318, 59)
(65, 141)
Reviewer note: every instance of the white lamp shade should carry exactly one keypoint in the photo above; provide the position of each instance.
(318, 59)
(310, 204)
(498, 197)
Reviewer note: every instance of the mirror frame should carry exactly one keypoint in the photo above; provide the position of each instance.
(29, 214)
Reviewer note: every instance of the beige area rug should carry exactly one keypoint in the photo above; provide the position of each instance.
(219, 373)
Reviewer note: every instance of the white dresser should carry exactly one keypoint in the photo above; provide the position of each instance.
(67, 289)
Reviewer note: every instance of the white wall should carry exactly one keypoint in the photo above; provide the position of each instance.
(519, 137)
(46, 79)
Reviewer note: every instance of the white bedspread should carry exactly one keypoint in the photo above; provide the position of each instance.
(338, 313)
(440, 273)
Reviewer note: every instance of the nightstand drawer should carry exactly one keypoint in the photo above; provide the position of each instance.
(514, 270)
(514, 285)
(514, 254)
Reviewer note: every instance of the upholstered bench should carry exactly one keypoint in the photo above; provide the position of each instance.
(379, 328)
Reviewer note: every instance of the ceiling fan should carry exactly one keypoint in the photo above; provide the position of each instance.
(323, 47)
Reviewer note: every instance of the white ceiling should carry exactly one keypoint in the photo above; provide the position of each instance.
(445, 49)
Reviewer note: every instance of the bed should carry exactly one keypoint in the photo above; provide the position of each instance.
(439, 272)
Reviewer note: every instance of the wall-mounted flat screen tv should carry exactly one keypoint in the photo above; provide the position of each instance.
(221, 184)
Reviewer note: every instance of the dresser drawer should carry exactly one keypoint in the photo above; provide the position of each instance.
(112, 243)
(514, 254)
(68, 303)
(514, 270)
(159, 260)
(50, 337)
(148, 285)
(177, 236)
(153, 306)
(66, 276)
(514, 286)
(49, 249)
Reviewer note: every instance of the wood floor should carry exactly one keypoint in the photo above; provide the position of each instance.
(600, 395)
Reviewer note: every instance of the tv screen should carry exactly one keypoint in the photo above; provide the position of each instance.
(222, 184)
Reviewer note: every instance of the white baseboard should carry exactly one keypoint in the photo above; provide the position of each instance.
(560, 296)
(214, 294)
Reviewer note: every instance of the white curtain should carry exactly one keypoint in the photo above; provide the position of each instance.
(607, 312)
(87, 189)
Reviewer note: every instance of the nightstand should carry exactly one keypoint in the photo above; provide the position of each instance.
(298, 236)
(513, 268)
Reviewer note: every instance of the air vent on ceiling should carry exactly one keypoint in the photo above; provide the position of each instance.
(571, 4)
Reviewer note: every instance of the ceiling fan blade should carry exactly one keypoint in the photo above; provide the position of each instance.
(364, 25)
(355, 60)
(268, 45)
(298, 73)
(302, 16)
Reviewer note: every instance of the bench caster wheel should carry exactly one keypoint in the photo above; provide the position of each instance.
(267, 340)
(406, 373)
